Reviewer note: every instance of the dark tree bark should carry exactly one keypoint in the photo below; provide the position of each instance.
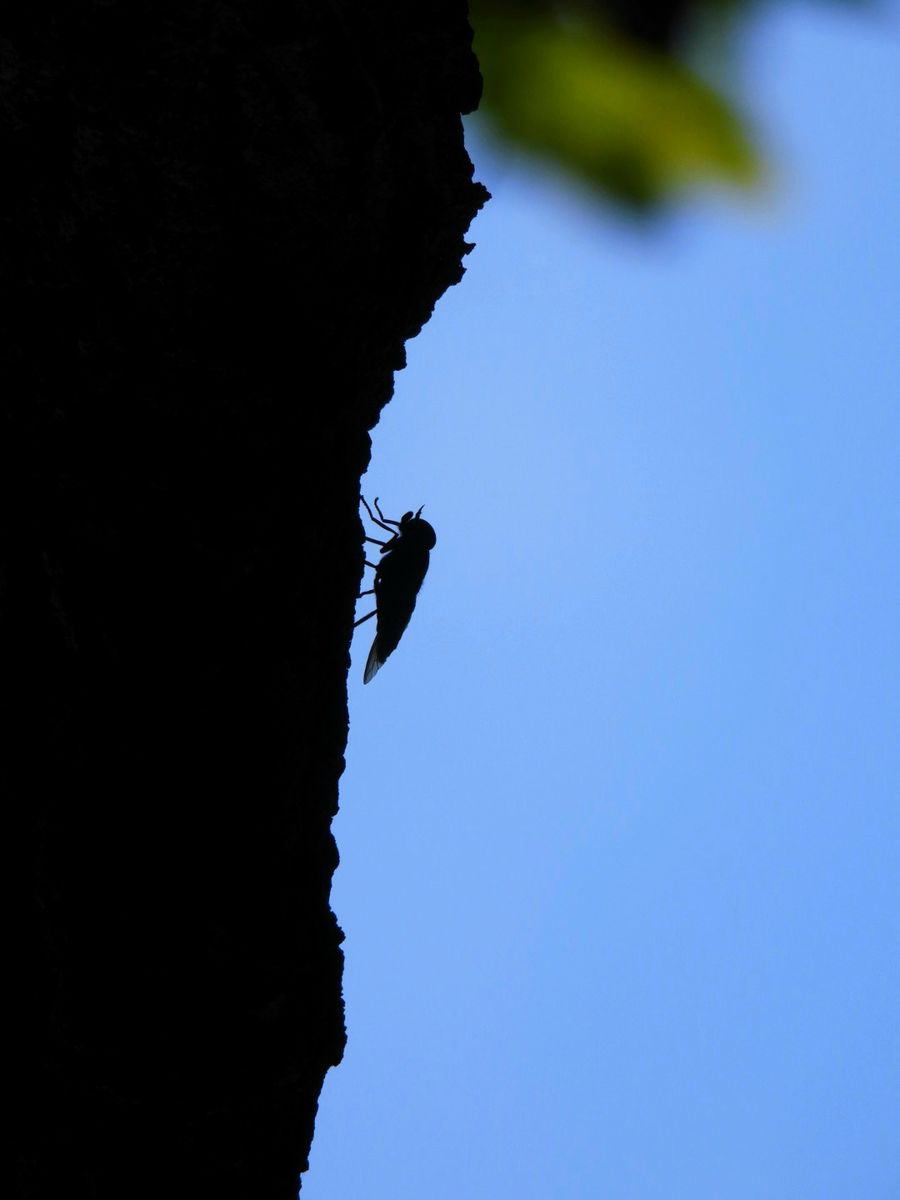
(220, 222)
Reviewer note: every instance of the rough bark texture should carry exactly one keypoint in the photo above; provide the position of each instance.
(220, 222)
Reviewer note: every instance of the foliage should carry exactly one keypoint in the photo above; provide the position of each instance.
(607, 92)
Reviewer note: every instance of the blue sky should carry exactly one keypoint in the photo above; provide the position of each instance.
(619, 828)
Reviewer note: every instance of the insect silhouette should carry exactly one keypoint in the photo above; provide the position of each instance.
(398, 576)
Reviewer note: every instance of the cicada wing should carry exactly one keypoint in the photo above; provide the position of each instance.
(373, 663)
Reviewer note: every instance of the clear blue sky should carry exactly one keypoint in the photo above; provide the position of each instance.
(620, 826)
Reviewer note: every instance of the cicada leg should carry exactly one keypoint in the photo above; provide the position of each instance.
(382, 524)
(387, 520)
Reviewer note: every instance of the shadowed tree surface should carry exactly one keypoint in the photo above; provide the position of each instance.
(220, 224)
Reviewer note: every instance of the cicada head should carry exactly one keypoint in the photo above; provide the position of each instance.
(415, 530)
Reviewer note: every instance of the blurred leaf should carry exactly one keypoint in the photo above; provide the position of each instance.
(624, 118)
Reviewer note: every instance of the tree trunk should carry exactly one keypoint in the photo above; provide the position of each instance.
(221, 221)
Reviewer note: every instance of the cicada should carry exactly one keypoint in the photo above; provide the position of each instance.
(399, 573)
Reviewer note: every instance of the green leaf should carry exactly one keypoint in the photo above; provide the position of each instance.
(631, 121)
